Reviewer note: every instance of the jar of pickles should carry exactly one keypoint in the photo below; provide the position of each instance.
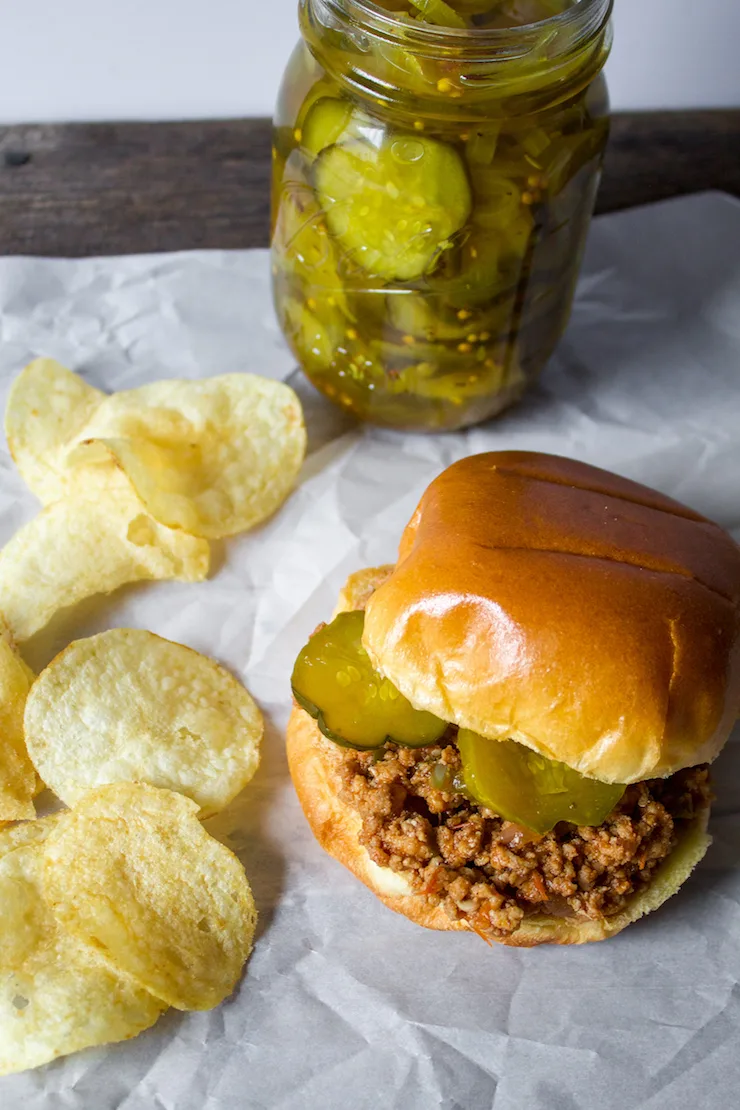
(435, 169)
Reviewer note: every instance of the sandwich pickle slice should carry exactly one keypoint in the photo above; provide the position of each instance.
(528, 789)
(357, 707)
(334, 680)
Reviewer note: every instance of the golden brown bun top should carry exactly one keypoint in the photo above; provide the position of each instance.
(588, 617)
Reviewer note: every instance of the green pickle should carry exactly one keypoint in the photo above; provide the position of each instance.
(524, 787)
(393, 206)
(430, 208)
(326, 122)
(436, 11)
(334, 680)
(355, 706)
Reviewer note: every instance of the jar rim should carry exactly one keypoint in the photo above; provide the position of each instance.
(583, 18)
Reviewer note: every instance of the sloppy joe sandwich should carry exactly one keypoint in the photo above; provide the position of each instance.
(510, 730)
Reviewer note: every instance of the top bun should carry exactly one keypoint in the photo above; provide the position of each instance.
(586, 616)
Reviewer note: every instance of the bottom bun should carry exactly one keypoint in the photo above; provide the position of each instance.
(336, 826)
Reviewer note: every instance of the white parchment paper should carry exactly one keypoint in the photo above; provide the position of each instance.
(344, 1005)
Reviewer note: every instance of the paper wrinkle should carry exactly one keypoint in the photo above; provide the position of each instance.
(345, 1004)
(719, 1032)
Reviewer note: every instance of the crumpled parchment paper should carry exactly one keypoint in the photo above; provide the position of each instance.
(345, 1005)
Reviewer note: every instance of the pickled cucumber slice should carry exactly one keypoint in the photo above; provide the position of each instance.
(322, 89)
(301, 242)
(325, 123)
(397, 355)
(302, 247)
(479, 13)
(481, 146)
(498, 199)
(399, 65)
(436, 11)
(412, 314)
(517, 13)
(490, 263)
(475, 275)
(526, 788)
(489, 260)
(335, 682)
(475, 7)
(332, 119)
(569, 154)
(393, 205)
(430, 319)
(456, 387)
(315, 341)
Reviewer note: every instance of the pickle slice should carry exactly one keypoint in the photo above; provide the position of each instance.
(526, 788)
(334, 680)
(490, 258)
(303, 248)
(481, 146)
(439, 13)
(325, 123)
(315, 341)
(430, 319)
(487, 265)
(456, 387)
(498, 199)
(393, 204)
(321, 90)
(301, 241)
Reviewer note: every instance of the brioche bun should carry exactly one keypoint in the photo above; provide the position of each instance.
(585, 616)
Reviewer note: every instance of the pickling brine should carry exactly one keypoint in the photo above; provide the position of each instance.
(435, 169)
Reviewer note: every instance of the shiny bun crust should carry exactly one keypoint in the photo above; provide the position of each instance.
(314, 761)
(588, 617)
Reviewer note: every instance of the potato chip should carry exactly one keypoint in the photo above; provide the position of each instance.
(23, 833)
(132, 872)
(56, 995)
(76, 548)
(212, 457)
(127, 705)
(47, 406)
(18, 783)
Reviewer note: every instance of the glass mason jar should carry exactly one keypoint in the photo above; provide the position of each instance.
(432, 192)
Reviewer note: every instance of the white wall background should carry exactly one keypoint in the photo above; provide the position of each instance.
(179, 59)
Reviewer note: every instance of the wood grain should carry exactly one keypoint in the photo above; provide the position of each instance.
(85, 189)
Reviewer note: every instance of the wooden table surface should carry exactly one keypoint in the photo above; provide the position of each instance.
(85, 189)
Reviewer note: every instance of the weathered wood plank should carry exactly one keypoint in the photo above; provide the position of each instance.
(84, 189)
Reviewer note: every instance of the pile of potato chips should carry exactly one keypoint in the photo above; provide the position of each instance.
(123, 905)
(111, 912)
(134, 484)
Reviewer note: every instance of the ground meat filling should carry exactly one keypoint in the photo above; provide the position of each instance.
(492, 872)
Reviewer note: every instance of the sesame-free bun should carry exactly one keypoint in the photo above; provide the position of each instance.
(314, 766)
(585, 616)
